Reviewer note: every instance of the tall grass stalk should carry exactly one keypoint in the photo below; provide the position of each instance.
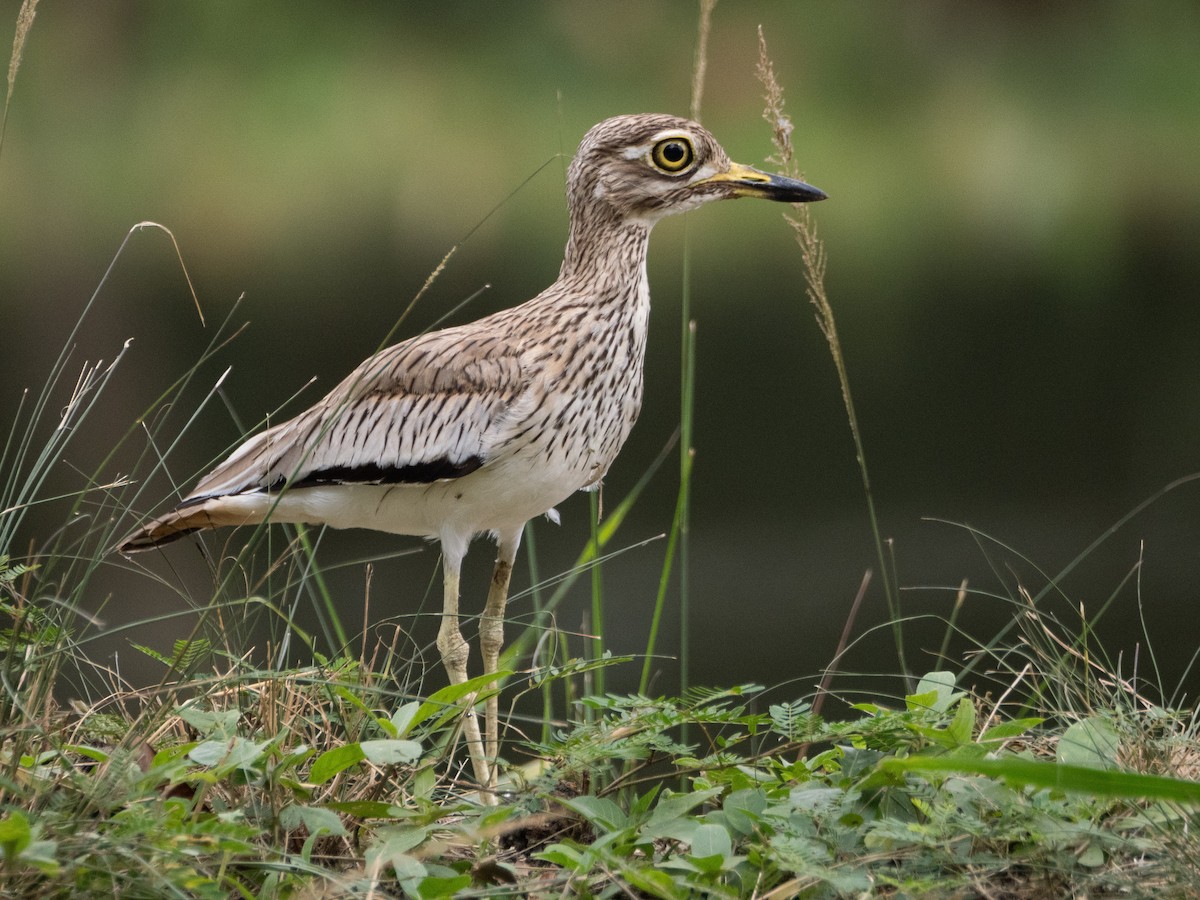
(596, 624)
(20, 35)
(681, 525)
(70, 556)
(19, 491)
(812, 252)
(683, 508)
(339, 640)
(592, 555)
(312, 578)
(535, 591)
(674, 539)
(42, 591)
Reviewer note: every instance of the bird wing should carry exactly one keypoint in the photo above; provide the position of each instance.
(430, 408)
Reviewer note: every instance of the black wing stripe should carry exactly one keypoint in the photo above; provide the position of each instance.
(373, 473)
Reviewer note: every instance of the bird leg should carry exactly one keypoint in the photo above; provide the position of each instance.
(491, 636)
(454, 650)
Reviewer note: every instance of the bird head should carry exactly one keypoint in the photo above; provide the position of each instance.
(650, 166)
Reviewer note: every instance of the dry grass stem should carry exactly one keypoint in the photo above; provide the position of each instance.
(812, 251)
(701, 67)
(781, 125)
(24, 24)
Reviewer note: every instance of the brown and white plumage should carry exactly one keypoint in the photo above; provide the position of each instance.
(480, 427)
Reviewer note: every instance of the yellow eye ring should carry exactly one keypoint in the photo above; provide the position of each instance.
(672, 155)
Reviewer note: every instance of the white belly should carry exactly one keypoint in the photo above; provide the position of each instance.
(496, 498)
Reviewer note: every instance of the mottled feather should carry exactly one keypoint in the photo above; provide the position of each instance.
(481, 427)
(516, 410)
(410, 414)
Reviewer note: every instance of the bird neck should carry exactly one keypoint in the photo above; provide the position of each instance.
(606, 251)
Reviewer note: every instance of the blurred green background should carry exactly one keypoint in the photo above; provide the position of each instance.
(1014, 244)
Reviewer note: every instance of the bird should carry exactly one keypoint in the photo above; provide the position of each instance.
(478, 428)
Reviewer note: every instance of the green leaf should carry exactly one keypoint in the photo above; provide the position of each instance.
(91, 753)
(446, 700)
(232, 753)
(422, 784)
(402, 719)
(1010, 729)
(381, 753)
(314, 818)
(391, 848)
(398, 839)
(1057, 776)
(708, 865)
(791, 719)
(671, 806)
(434, 886)
(186, 652)
(681, 829)
(815, 799)
(640, 807)
(599, 811)
(562, 855)
(711, 840)
(18, 841)
(1092, 742)
(927, 700)
(40, 855)
(370, 809)
(15, 834)
(352, 698)
(654, 882)
(871, 709)
(744, 808)
(152, 653)
(1092, 856)
(211, 724)
(10, 571)
(406, 867)
(331, 762)
(391, 753)
(941, 686)
(293, 760)
(963, 724)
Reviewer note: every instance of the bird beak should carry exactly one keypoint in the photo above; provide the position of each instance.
(744, 181)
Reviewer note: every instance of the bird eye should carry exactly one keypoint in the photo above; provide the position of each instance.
(673, 155)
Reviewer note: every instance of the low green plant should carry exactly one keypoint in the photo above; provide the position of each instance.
(1050, 774)
(1031, 769)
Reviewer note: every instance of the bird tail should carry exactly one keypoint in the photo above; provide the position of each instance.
(200, 514)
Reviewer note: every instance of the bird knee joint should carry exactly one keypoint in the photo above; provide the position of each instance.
(452, 646)
(502, 573)
(490, 644)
